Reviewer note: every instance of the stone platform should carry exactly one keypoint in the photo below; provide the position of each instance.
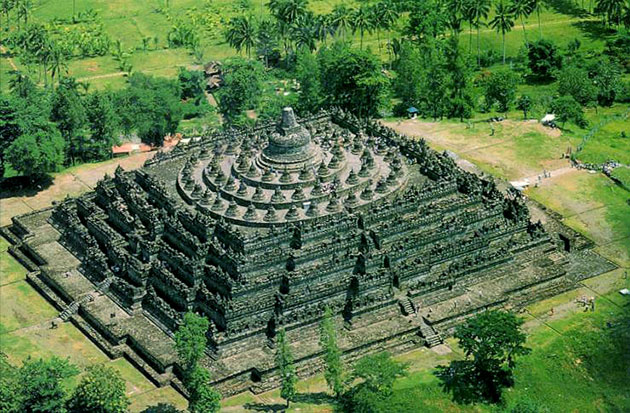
(262, 229)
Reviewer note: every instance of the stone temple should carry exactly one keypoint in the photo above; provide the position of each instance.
(261, 229)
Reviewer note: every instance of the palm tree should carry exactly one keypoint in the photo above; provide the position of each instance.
(389, 15)
(324, 27)
(362, 22)
(341, 19)
(468, 13)
(384, 14)
(455, 14)
(537, 6)
(57, 63)
(23, 10)
(502, 22)
(241, 33)
(611, 9)
(294, 10)
(521, 9)
(476, 10)
(304, 33)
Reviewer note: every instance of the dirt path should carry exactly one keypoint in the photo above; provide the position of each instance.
(72, 182)
(11, 62)
(116, 74)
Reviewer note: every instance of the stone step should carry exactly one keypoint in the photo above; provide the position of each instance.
(433, 340)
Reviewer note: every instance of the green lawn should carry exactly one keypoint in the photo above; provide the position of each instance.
(25, 332)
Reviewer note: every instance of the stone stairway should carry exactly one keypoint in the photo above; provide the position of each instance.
(406, 306)
(431, 336)
(73, 308)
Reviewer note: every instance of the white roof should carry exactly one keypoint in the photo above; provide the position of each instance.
(548, 117)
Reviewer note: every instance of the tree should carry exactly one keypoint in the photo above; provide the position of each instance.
(341, 19)
(606, 75)
(502, 22)
(475, 11)
(101, 390)
(332, 355)
(242, 87)
(68, 112)
(191, 341)
(150, 106)
(494, 340)
(375, 375)
(567, 108)
(192, 83)
(524, 103)
(411, 77)
(362, 22)
(500, 88)
(241, 33)
(427, 21)
(203, 397)
(461, 96)
(266, 41)
(388, 16)
(10, 401)
(307, 74)
(385, 15)
(538, 6)
(284, 361)
(611, 11)
(103, 126)
(521, 9)
(41, 384)
(35, 154)
(352, 79)
(574, 81)
(544, 58)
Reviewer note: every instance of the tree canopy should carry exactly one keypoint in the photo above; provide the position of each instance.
(101, 390)
(491, 341)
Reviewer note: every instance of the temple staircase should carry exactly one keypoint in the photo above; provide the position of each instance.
(73, 308)
(406, 306)
(432, 337)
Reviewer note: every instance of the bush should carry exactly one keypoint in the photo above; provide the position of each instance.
(544, 59)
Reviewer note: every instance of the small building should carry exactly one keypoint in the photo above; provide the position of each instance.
(412, 112)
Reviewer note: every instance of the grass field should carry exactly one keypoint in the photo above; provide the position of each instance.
(132, 20)
(25, 332)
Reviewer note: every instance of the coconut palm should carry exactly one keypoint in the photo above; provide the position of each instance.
(521, 9)
(612, 10)
(341, 19)
(241, 33)
(57, 62)
(455, 14)
(362, 22)
(537, 6)
(477, 10)
(502, 22)
(384, 14)
(324, 27)
(304, 33)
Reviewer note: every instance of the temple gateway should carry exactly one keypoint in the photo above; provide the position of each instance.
(263, 228)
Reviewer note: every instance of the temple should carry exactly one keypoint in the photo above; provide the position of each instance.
(262, 228)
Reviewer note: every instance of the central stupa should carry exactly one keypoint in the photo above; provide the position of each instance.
(290, 145)
(300, 174)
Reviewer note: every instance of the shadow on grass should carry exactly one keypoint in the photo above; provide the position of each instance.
(261, 407)
(594, 30)
(567, 7)
(314, 398)
(23, 186)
